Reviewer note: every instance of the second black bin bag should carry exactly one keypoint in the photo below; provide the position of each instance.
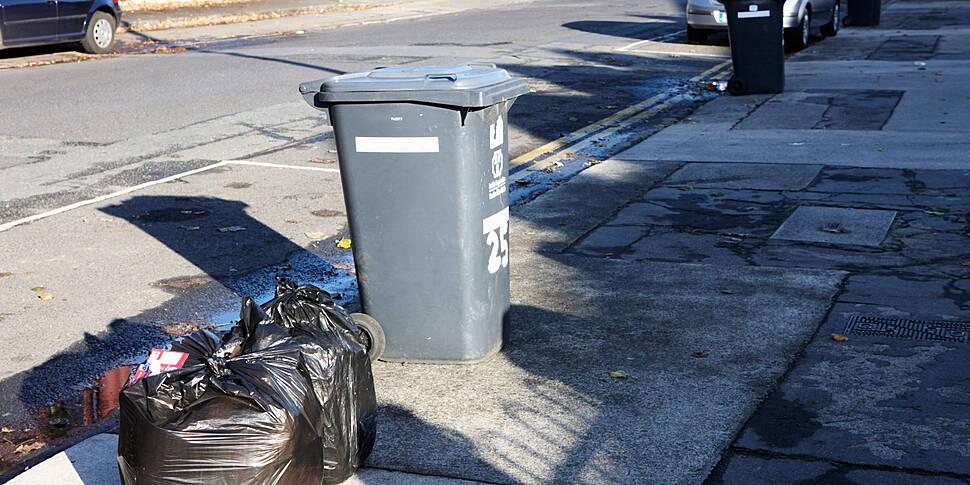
(286, 397)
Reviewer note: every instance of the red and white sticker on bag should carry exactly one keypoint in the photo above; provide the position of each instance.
(159, 361)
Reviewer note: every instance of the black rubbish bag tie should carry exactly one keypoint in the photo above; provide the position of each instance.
(218, 367)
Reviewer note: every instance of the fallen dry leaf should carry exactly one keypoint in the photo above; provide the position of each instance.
(292, 221)
(186, 282)
(727, 292)
(317, 235)
(106, 219)
(323, 160)
(46, 296)
(38, 288)
(326, 213)
(4, 275)
(699, 355)
(29, 446)
(838, 337)
(619, 374)
(232, 229)
(343, 266)
(686, 188)
(344, 243)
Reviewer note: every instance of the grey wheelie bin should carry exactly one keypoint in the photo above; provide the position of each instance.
(424, 163)
(757, 46)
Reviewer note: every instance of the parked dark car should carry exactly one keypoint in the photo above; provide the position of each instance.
(35, 22)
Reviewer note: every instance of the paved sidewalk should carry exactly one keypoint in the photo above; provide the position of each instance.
(714, 262)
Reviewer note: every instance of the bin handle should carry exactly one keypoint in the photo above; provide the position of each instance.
(486, 65)
(437, 77)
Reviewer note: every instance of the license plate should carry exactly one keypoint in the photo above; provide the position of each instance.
(719, 16)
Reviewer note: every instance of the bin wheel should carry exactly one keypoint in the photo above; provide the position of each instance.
(372, 335)
(735, 86)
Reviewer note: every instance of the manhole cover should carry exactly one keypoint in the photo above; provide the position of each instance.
(908, 329)
(836, 225)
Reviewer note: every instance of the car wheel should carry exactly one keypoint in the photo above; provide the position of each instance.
(798, 36)
(832, 28)
(697, 36)
(100, 35)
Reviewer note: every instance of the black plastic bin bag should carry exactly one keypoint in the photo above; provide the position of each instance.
(285, 397)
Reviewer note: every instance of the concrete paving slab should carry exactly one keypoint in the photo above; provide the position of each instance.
(610, 240)
(836, 225)
(819, 109)
(682, 247)
(524, 417)
(559, 217)
(874, 401)
(926, 291)
(724, 211)
(702, 143)
(745, 176)
(767, 470)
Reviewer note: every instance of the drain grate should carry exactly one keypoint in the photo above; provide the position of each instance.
(909, 329)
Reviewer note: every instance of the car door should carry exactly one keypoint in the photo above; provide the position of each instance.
(71, 15)
(28, 21)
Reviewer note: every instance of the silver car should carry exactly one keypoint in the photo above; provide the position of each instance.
(801, 17)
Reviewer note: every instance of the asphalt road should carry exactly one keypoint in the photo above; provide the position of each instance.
(77, 130)
(73, 132)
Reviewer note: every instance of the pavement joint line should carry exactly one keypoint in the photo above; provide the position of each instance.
(621, 119)
(135, 188)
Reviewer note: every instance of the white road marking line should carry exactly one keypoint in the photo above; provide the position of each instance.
(135, 188)
(659, 38)
(279, 165)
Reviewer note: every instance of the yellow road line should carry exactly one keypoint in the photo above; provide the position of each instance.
(630, 112)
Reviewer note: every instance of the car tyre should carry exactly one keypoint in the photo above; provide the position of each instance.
(697, 36)
(831, 29)
(100, 36)
(798, 36)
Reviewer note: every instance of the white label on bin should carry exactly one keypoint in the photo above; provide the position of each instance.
(719, 16)
(751, 15)
(496, 230)
(496, 134)
(396, 144)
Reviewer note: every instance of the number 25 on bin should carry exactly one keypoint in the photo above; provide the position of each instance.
(496, 230)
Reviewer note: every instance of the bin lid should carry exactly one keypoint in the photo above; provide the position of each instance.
(471, 85)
